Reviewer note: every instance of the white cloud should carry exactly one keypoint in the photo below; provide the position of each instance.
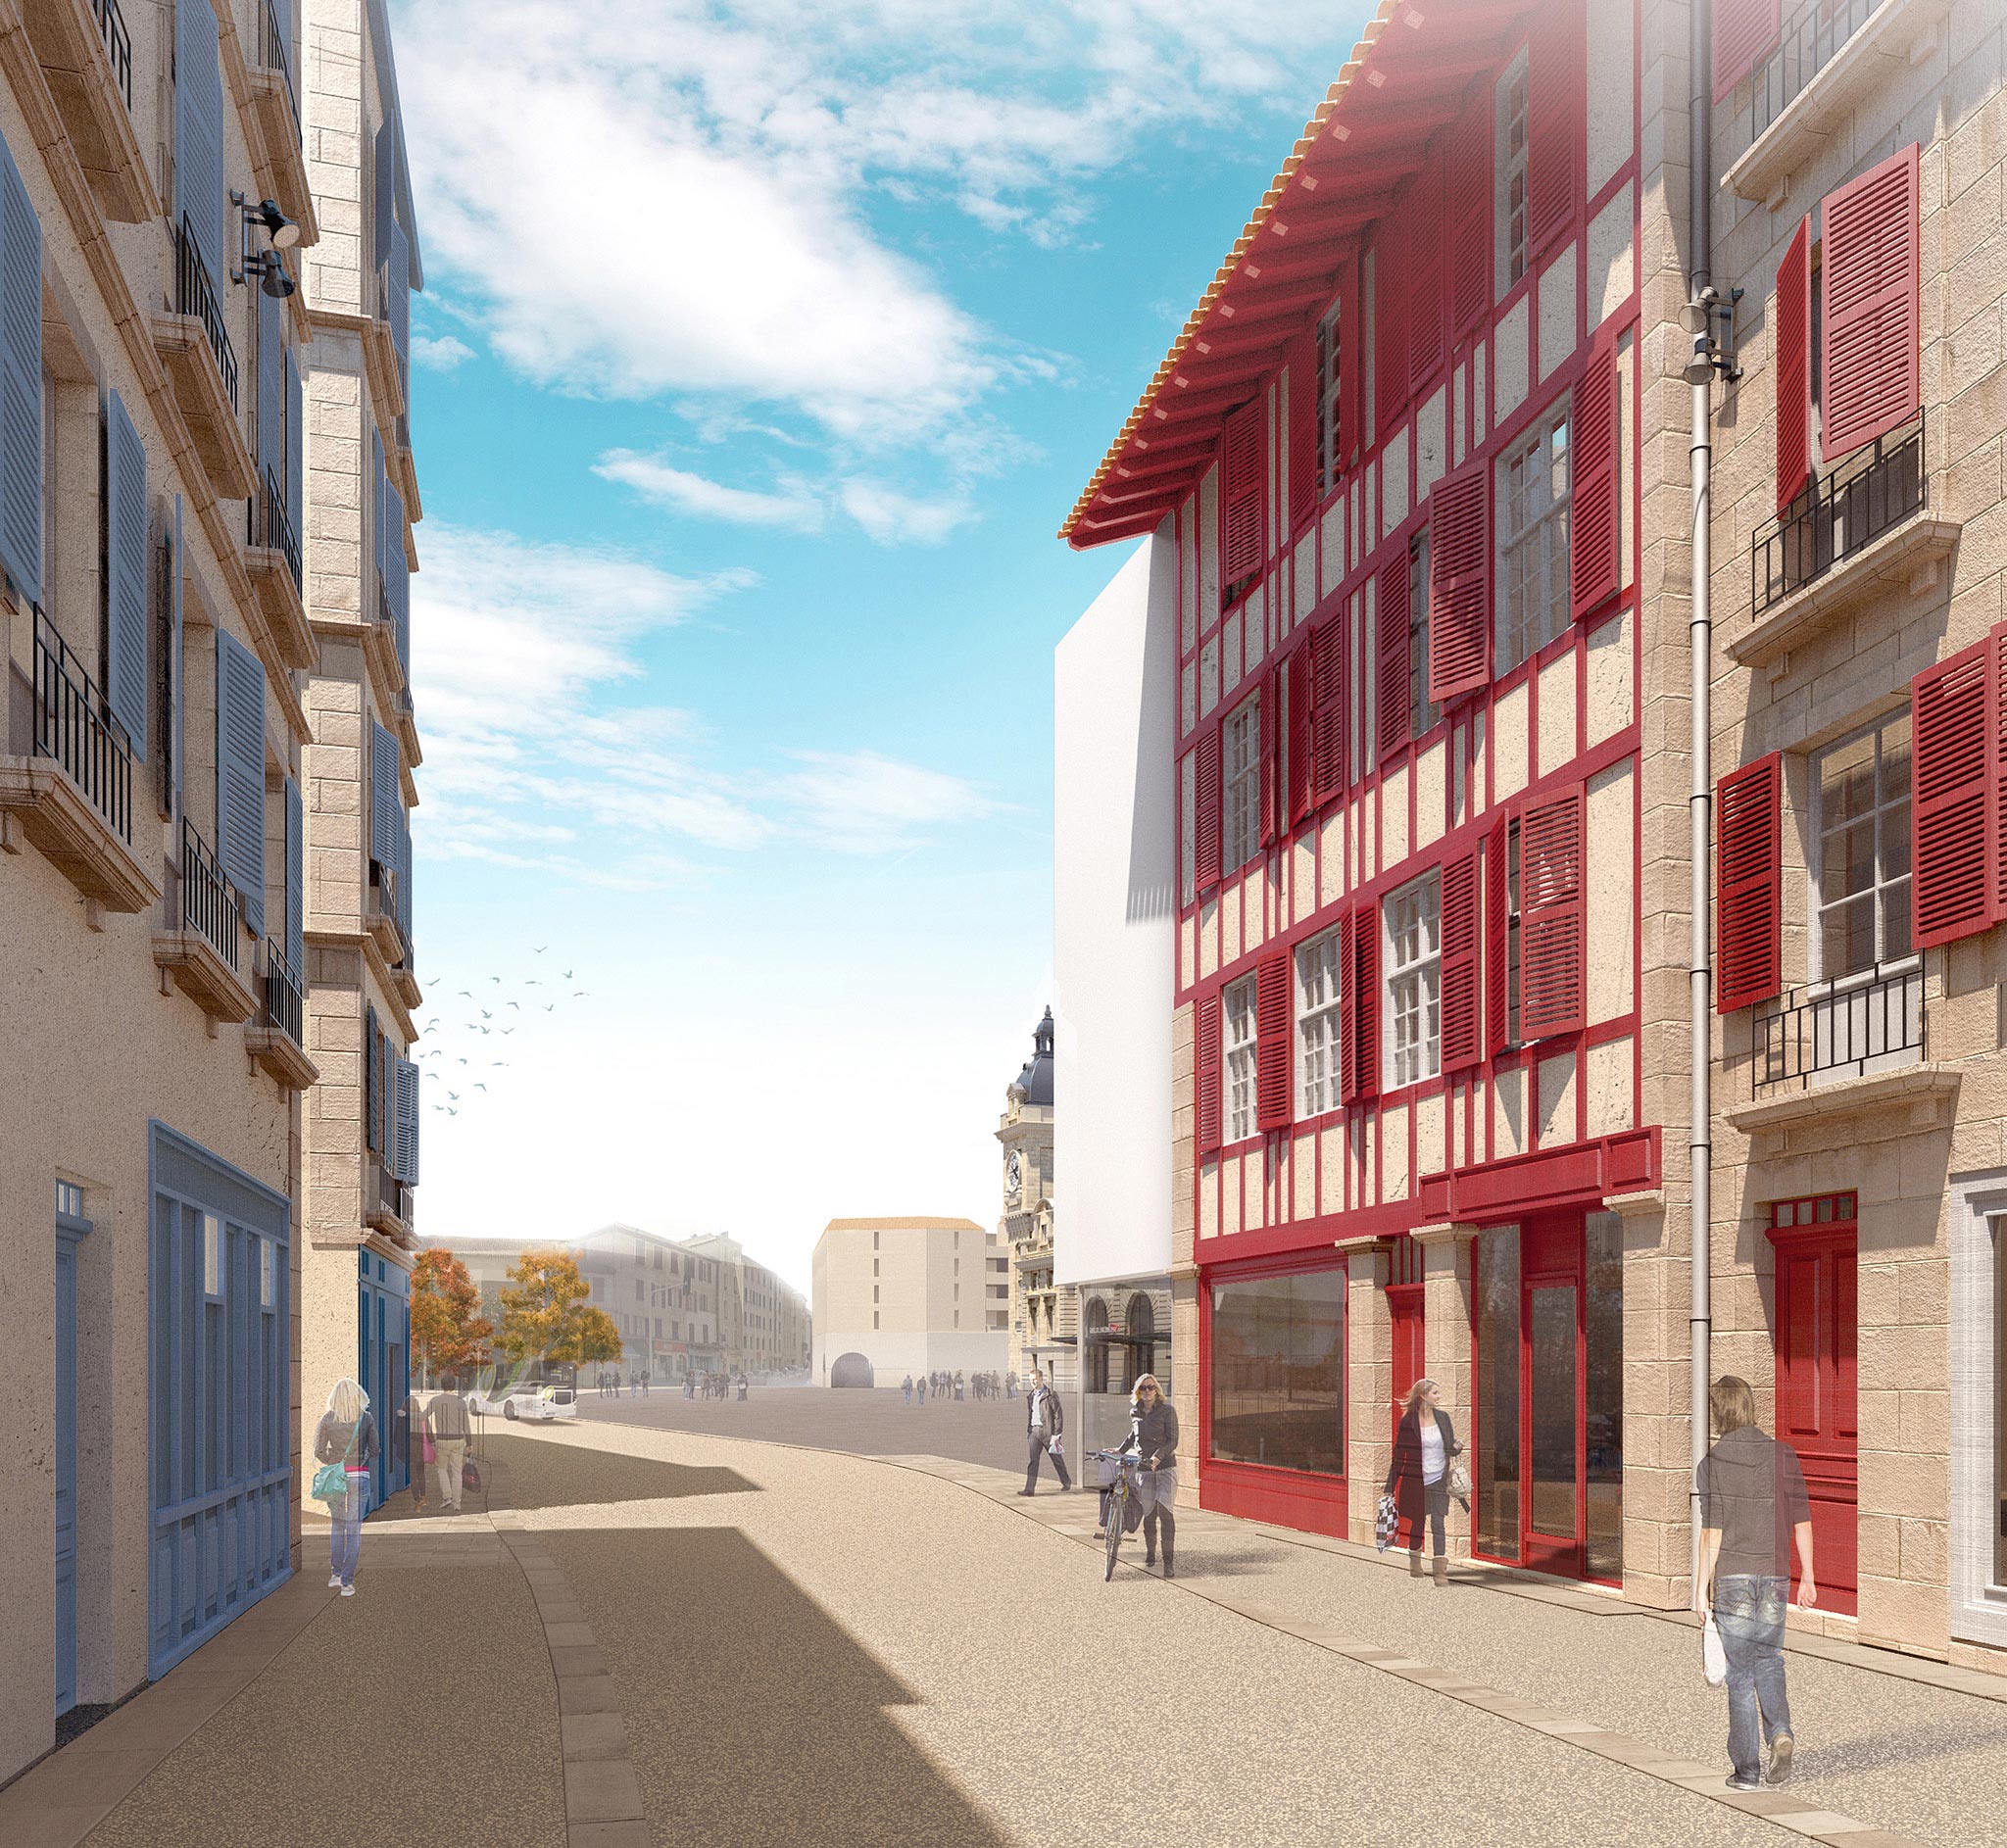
(686, 493)
(441, 355)
(891, 517)
(861, 803)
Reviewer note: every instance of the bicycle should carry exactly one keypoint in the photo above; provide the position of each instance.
(1120, 1491)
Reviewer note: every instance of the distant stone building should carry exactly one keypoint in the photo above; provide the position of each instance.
(900, 1295)
(1041, 1315)
(763, 1321)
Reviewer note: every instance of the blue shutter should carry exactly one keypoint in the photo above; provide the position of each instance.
(296, 881)
(174, 662)
(397, 576)
(240, 774)
(125, 522)
(407, 1121)
(401, 302)
(385, 176)
(380, 487)
(385, 799)
(404, 876)
(199, 134)
(295, 475)
(21, 383)
(271, 391)
(373, 1076)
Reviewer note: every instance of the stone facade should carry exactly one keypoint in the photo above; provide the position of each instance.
(1036, 1310)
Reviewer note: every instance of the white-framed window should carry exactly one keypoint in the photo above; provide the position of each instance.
(1317, 1025)
(1414, 951)
(1531, 495)
(1509, 168)
(267, 1274)
(1237, 1027)
(212, 1256)
(1860, 851)
(1422, 712)
(1240, 822)
(1330, 333)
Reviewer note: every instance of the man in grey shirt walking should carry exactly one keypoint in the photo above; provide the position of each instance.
(447, 1420)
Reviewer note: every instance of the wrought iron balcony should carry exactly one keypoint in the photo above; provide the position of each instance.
(195, 294)
(284, 1003)
(270, 525)
(74, 726)
(206, 904)
(117, 44)
(272, 55)
(1850, 507)
(1845, 1029)
(1807, 44)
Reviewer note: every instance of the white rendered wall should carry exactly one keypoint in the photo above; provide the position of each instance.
(893, 1356)
(1113, 923)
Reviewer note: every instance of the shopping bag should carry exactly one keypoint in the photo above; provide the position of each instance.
(1384, 1524)
(1714, 1658)
(471, 1477)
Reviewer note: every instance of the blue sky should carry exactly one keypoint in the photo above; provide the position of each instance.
(764, 346)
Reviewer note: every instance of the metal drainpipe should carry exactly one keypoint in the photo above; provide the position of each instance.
(1700, 645)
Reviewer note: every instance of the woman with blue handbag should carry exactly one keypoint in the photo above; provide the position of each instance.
(345, 1448)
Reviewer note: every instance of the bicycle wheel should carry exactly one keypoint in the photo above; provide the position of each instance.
(1118, 1504)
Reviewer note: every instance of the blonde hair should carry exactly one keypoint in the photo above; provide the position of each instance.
(1415, 1391)
(347, 1401)
(1733, 1403)
(1145, 1379)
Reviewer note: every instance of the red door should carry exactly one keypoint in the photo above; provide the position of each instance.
(1816, 1329)
(1404, 1303)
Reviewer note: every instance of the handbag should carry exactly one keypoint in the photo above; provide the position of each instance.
(471, 1477)
(1386, 1523)
(1714, 1657)
(426, 1441)
(1458, 1481)
(331, 1480)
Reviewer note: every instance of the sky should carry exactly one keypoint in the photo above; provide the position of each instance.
(764, 346)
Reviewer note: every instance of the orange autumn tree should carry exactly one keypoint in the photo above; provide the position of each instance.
(545, 1315)
(448, 1329)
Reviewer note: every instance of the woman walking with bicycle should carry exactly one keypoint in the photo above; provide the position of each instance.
(1154, 1441)
(1419, 1478)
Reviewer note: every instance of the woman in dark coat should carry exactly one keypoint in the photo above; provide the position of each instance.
(1418, 1478)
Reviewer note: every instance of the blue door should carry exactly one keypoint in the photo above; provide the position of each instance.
(71, 1227)
(383, 1342)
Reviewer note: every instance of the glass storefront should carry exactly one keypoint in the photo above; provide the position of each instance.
(1277, 1371)
(1603, 1354)
(1496, 1391)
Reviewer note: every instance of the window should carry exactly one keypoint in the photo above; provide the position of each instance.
(1241, 788)
(1421, 712)
(1330, 425)
(1532, 502)
(267, 1274)
(1508, 164)
(1238, 1017)
(1860, 873)
(1414, 1009)
(1512, 1036)
(1277, 1371)
(212, 1256)
(1317, 1015)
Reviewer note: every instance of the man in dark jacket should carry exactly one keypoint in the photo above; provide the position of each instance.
(1043, 1421)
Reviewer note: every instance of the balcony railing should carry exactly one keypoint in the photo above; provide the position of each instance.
(208, 905)
(117, 44)
(271, 525)
(284, 1006)
(273, 54)
(195, 294)
(1807, 44)
(1855, 1025)
(74, 726)
(1847, 509)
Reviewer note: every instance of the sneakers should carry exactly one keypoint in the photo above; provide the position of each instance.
(1739, 1782)
(1101, 1533)
(1780, 1749)
(335, 1581)
(1027, 1492)
(348, 1592)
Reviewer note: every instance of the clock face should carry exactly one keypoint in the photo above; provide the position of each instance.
(1014, 1173)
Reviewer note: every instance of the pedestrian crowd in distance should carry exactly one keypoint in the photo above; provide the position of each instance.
(977, 1385)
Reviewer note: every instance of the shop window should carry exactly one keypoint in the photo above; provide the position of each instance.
(1495, 1395)
(1277, 1371)
(1603, 1319)
(1860, 851)
(1533, 503)
(1414, 982)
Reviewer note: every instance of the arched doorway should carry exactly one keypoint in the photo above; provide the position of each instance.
(1094, 1349)
(1140, 1324)
(850, 1370)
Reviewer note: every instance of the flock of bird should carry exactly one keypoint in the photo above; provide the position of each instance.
(497, 1022)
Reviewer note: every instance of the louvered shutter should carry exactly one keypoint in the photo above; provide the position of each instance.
(1498, 940)
(1241, 502)
(240, 774)
(1359, 958)
(401, 299)
(1794, 369)
(1328, 708)
(1301, 751)
(1551, 917)
(1389, 327)
(295, 475)
(1462, 1026)
(1749, 884)
(1272, 1041)
(21, 383)
(372, 1080)
(407, 1166)
(1557, 101)
(385, 799)
(1869, 264)
(403, 875)
(379, 521)
(1394, 689)
(1745, 30)
(1470, 231)
(1423, 236)
(1302, 432)
(1206, 1065)
(1955, 776)
(271, 394)
(1265, 717)
(1206, 823)
(296, 881)
(170, 668)
(397, 576)
(1460, 584)
(126, 532)
(383, 174)
(199, 134)
(1596, 562)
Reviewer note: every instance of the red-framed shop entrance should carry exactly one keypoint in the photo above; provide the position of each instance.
(1405, 1295)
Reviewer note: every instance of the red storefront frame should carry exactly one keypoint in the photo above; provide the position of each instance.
(1305, 1500)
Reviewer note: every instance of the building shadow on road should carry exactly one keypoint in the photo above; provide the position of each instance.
(543, 1474)
(754, 1718)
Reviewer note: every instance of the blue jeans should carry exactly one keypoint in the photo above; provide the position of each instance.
(347, 1515)
(1748, 1611)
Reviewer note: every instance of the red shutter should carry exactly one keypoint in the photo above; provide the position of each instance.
(1745, 30)
(1390, 326)
(1498, 940)
(1206, 824)
(1793, 335)
(1462, 1038)
(1422, 231)
(1555, 104)
(1359, 961)
(1272, 1041)
(1206, 1062)
(1241, 499)
(1265, 719)
(1955, 762)
(1302, 430)
(1394, 689)
(1470, 229)
(1460, 584)
(1749, 884)
(1551, 917)
(1301, 751)
(1869, 270)
(1328, 706)
(1596, 561)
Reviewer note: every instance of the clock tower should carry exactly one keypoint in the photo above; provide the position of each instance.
(1025, 1132)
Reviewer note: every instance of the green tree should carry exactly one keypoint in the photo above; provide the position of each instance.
(545, 1315)
(448, 1329)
